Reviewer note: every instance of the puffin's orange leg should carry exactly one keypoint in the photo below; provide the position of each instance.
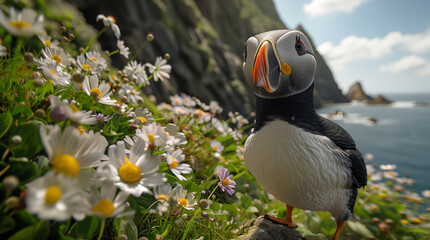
(338, 229)
(288, 221)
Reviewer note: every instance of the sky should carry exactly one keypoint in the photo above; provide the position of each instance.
(384, 44)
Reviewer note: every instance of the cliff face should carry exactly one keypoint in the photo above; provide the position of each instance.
(205, 40)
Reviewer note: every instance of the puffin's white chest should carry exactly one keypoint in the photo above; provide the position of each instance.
(299, 168)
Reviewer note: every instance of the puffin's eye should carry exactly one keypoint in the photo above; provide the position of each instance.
(245, 53)
(300, 48)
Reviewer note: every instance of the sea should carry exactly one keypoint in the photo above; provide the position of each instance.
(398, 133)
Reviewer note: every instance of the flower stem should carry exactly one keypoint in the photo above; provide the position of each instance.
(210, 195)
(93, 39)
(138, 50)
(102, 229)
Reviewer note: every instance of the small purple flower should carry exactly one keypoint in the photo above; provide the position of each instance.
(103, 118)
(225, 182)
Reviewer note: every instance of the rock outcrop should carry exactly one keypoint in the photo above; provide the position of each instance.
(356, 93)
(205, 40)
(263, 229)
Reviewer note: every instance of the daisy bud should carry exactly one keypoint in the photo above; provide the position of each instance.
(63, 29)
(149, 37)
(64, 39)
(134, 79)
(173, 201)
(159, 237)
(389, 222)
(139, 101)
(383, 227)
(10, 182)
(12, 202)
(152, 98)
(376, 220)
(16, 140)
(78, 77)
(122, 237)
(203, 204)
(28, 56)
(124, 99)
(58, 114)
(37, 82)
(71, 36)
(81, 49)
(142, 238)
(40, 113)
(167, 56)
(125, 80)
(184, 216)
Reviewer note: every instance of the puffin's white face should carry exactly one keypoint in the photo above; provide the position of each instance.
(279, 63)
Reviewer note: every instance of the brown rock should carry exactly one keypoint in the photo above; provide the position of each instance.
(263, 229)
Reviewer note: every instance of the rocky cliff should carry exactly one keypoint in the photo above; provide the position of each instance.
(205, 40)
(356, 93)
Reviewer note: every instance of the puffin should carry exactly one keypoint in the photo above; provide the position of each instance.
(298, 156)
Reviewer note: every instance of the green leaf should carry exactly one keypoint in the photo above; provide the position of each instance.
(126, 226)
(25, 233)
(86, 228)
(359, 228)
(31, 143)
(6, 224)
(5, 123)
(22, 109)
(25, 171)
(42, 230)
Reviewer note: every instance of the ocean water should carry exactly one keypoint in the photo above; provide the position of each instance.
(400, 136)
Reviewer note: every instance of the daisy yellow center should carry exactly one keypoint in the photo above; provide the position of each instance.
(87, 67)
(104, 207)
(151, 137)
(66, 164)
(94, 59)
(183, 202)
(53, 72)
(161, 196)
(129, 172)
(133, 92)
(200, 112)
(81, 129)
(52, 195)
(142, 119)
(95, 91)
(57, 59)
(224, 182)
(215, 147)
(73, 107)
(174, 163)
(47, 43)
(20, 24)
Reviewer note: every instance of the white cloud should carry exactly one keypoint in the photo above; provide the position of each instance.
(410, 63)
(353, 48)
(322, 7)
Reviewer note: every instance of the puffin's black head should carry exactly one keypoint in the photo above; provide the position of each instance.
(279, 63)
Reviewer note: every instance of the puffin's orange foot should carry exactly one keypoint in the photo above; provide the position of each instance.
(281, 221)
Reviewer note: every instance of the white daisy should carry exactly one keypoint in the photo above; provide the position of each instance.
(142, 116)
(107, 203)
(132, 94)
(46, 40)
(73, 153)
(185, 200)
(160, 70)
(72, 112)
(25, 23)
(123, 50)
(217, 146)
(136, 70)
(202, 116)
(175, 160)
(97, 58)
(55, 197)
(58, 56)
(176, 100)
(54, 73)
(89, 66)
(162, 193)
(132, 173)
(387, 167)
(110, 21)
(2, 49)
(214, 107)
(175, 138)
(154, 135)
(99, 91)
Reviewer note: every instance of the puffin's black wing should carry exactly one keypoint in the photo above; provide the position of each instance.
(343, 140)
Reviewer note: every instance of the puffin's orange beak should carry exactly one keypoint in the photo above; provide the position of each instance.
(268, 67)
